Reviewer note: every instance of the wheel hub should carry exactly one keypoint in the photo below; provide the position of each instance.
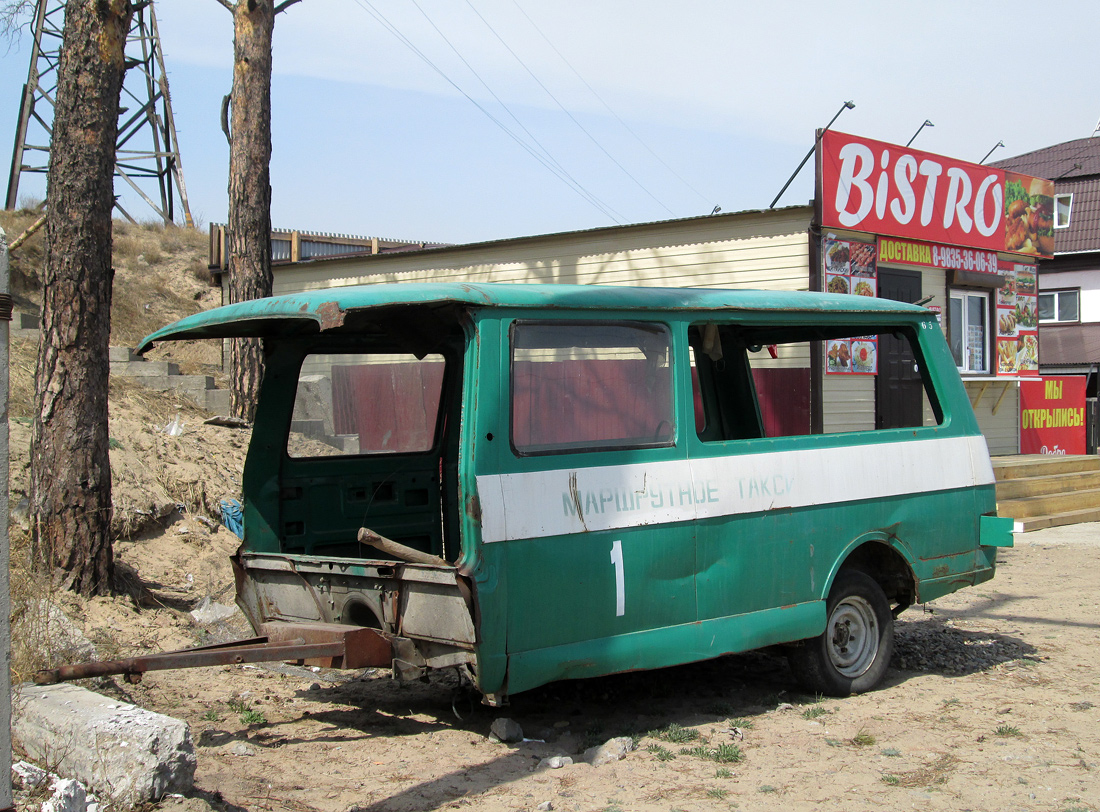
(854, 641)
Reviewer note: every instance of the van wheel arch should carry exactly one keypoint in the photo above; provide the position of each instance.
(888, 567)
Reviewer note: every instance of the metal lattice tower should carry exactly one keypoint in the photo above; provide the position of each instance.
(146, 151)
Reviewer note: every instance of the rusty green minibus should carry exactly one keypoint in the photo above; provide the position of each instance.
(528, 483)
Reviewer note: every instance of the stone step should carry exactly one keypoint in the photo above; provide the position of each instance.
(164, 376)
(196, 383)
(144, 369)
(122, 355)
(218, 401)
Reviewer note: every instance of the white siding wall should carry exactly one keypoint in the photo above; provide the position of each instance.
(1087, 281)
(767, 250)
(1001, 430)
(848, 403)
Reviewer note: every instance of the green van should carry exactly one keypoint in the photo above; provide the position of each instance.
(528, 483)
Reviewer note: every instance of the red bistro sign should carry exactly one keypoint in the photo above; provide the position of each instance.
(1052, 416)
(881, 188)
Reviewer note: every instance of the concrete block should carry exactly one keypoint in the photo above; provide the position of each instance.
(310, 428)
(122, 355)
(122, 752)
(158, 383)
(192, 382)
(218, 401)
(144, 369)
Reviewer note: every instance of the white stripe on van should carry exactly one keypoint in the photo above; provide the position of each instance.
(564, 501)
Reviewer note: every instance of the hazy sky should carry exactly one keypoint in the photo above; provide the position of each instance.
(684, 106)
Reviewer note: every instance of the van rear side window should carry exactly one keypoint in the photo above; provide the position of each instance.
(755, 382)
(354, 403)
(590, 386)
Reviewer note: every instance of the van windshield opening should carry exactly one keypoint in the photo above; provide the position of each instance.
(353, 403)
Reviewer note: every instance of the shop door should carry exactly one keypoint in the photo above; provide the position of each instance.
(898, 389)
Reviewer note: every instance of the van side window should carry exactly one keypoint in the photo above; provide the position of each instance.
(353, 403)
(590, 386)
(755, 381)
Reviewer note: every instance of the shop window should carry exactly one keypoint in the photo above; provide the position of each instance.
(590, 386)
(1062, 206)
(1059, 306)
(968, 330)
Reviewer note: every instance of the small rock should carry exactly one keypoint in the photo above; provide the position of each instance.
(782, 706)
(611, 750)
(68, 796)
(555, 762)
(561, 724)
(506, 730)
(243, 749)
(25, 775)
(545, 806)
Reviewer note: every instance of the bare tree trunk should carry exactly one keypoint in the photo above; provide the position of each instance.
(250, 188)
(70, 480)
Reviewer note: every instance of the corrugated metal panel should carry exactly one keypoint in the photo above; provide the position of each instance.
(280, 250)
(1001, 430)
(312, 248)
(848, 403)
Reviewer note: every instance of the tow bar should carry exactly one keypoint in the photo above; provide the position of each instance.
(327, 645)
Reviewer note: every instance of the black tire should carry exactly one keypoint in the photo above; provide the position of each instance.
(852, 654)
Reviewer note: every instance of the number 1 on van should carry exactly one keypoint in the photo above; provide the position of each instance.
(620, 578)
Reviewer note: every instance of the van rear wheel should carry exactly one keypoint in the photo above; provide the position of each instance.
(852, 654)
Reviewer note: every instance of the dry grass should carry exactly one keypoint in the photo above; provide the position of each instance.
(932, 774)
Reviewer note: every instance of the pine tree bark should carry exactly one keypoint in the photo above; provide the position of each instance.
(70, 477)
(250, 188)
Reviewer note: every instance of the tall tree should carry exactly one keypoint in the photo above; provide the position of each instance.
(250, 184)
(70, 478)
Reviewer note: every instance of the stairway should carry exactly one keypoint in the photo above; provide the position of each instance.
(164, 376)
(1044, 491)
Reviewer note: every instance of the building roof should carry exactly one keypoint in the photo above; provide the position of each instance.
(299, 313)
(1072, 159)
(1075, 169)
(1069, 344)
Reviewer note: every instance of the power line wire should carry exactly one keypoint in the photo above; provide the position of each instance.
(608, 107)
(562, 107)
(549, 164)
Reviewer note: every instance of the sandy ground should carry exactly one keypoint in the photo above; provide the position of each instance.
(993, 703)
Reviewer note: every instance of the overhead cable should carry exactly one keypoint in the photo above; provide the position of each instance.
(608, 107)
(572, 118)
(551, 165)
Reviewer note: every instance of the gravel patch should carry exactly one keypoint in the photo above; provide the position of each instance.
(936, 646)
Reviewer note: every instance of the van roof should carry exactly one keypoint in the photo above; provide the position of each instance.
(327, 308)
